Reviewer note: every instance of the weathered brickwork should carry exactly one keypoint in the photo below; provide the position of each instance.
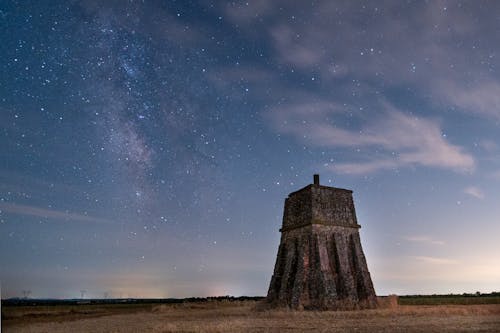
(320, 262)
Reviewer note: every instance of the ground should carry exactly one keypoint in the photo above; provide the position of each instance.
(249, 316)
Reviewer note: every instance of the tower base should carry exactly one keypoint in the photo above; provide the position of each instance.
(321, 267)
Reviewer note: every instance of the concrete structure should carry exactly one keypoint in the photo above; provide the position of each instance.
(320, 262)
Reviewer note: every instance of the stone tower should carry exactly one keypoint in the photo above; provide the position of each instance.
(320, 262)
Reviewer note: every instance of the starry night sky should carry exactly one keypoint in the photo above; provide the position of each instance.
(146, 148)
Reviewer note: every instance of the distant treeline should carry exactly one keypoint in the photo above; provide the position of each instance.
(77, 301)
(476, 294)
(457, 299)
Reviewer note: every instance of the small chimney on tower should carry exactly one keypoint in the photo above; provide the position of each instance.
(316, 179)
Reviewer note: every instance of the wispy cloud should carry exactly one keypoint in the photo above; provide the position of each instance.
(394, 138)
(420, 54)
(402, 139)
(482, 98)
(367, 167)
(424, 240)
(488, 145)
(50, 213)
(474, 191)
(436, 260)
(496, 175)
(418, 44)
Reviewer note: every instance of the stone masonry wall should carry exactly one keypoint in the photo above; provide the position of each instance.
(332, 206)
(321, 267)
(320, 262)
(319, 205)
(298, 209)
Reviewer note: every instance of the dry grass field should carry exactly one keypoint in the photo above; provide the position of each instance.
(247, 316)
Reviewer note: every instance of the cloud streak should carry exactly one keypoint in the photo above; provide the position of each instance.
(27, 210)
(436, 260)
(474, 191)
(424, 240)
(403, 140)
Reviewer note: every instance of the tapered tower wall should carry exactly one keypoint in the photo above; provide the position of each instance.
(320, 262)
